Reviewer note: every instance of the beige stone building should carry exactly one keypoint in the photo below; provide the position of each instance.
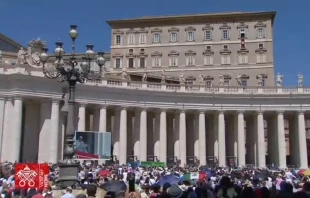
(236, 45)
(235, 112)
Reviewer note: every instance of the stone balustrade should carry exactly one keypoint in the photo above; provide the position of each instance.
(151, 86)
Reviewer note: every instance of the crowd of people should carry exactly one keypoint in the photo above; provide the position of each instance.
(174, 182)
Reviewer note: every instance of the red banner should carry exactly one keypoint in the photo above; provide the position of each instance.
(82, 155)
(30, 175)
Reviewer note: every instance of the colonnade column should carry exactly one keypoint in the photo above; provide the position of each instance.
(150, 134)
(123, 136)
(7, 130)
(143, 135)
(202, 138)
(176, 139)
(54, 133)
(156, 135)
(241, 139)
(82, 117)
(103, 118)
(170, 136)
(260, 134)
(136, 135)
(303, 157)
(17, 130)
(163, 136)
(102, 127)
(2, 110)
(182, 137)
(281, 141)
(221, 139)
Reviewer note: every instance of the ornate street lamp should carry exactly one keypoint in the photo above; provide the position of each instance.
(73, 74)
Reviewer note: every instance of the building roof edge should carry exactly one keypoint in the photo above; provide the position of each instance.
(167, 18)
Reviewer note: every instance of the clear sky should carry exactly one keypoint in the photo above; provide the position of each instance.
(23, 20)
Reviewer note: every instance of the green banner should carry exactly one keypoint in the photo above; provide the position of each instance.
(153, 164)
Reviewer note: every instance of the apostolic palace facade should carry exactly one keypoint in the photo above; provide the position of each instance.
(189, 88)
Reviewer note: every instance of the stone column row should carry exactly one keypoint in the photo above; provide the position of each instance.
(255, 126)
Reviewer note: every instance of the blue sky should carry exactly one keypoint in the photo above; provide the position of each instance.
(23, 20)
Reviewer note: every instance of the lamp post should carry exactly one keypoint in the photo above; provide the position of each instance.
(71, 73)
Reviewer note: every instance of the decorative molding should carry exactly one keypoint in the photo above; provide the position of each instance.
(243, 51)
(143, 30)
(173, 53)
(222, 42)
(142, 55)
(173, 29)
(261, 50)
(265, 76)
(207, 27)
(131, 55)
(190, 28)
(190, 78)
(260, 24)
(156, 53)
(242, 25)
(207, 78)
(208, 52)
(118, 32)
(225, 26)
(225, 51)
(117, 55)
(156, 30)
(131, 31)
(244, 76)
(227, 77)
(190, 52)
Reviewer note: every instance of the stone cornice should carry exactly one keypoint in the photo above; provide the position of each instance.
(192, 18)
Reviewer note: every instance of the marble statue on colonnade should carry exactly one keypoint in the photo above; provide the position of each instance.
(221, 82)
(182, 77)
(144, 76)
(260, 80)
(32, 55)
(300, 79)
(279, 80)
(201, 78)
(163, 76)
(238, 78)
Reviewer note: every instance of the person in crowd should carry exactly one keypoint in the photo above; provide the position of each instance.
(91, 191)
(226, 188)
(68, 193)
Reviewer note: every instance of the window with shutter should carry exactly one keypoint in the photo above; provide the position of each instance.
(142, 62)
(208, 35)
(117, 63)
(118, 39)
(142, 38)
(130, 62)
(131, 39)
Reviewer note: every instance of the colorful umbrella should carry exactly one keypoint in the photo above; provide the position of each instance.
(301, 171)
(306, 172)
(104, 172)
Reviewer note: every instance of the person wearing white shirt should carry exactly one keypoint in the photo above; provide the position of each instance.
(289, 176)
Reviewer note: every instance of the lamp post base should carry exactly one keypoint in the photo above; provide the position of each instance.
(68, 174)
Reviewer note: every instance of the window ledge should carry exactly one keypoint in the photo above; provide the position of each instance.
(207, 39)
(173, 41)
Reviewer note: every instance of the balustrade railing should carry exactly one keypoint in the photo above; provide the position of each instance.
(175, 87)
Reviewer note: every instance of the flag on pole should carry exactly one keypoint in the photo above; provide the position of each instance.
(191, 176)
